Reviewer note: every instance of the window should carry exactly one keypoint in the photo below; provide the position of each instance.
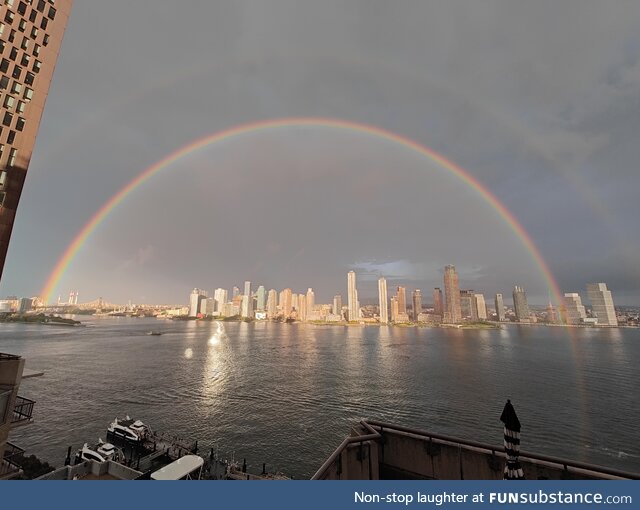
(3, 181)
(9, 3)
(25, 43)
(8, 117)
(22, 8)
(11, 137)
(2, 45)
(9, 102)
(29, 78)
(12, 35)
(36, 50)
(21, 106)
(37, 65)
(24, 60)
(20, 124)
(43, 23)
(2, 25)
(34, 32)
(32, 16)
(4, 82)
(16, 87)
(22, 26)
(13, 154)
(13, 54)
(28, 93)
(8, 17)
(52, 13)
(2, 197)
(17, 71)
(45, 40)
(4, 65)
(41, 5)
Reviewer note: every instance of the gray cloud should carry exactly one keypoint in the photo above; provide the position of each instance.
(537, 100)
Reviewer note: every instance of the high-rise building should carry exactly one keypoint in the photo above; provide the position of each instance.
(551, 313)
(311, 300)
(499, 302)
(574, 309)
(401, 295)
(195, 302)
(394, 309)
(272, 304)
(247, 304)
(520, 305)
(247, 289)
(602, 304)
(30, 38)
(452, 313)
(437, 301)
(220, 298)
(286, 302)
(261, 298)
(301, 309)
(337, 304)
(352, 297)
(294, 302)
(481, 307)
(468, 308)
(382, 300)
(416, 297)
(235, 292)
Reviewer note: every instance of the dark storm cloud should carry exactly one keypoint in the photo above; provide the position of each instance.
(538, 100)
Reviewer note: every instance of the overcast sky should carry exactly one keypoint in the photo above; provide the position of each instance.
(540, 101)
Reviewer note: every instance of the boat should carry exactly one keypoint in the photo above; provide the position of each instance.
(101, 453)
(154, 333)
(127, 429)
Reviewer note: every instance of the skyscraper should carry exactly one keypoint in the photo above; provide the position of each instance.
(352, 297)
(416, 297)
(272, 304)
(337, 304)
(220, 298)
(311, 300)
(382, 300)
(574, 309)
(499, 302)
(468, 308)
(481, 307)
(261, 298)
(402, 299)
(437, 301)
(286, 302)
(452, 313)
(195, 302)
(235, 292)
(30, 38)
(602, 304)
(302, 308)
(247, 304)
(520, 305)
(394, 309)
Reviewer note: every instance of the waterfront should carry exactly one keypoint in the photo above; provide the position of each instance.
(286, 394)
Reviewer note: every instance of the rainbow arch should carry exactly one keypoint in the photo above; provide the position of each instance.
(264, 125)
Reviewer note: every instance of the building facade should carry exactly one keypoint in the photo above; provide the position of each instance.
(452, 312)
(437, 301)
(383, 301)
(352, 297)
(520, 305)
(602, 304)
(499, 304)
(30, 38)
(416, 298)
(574, 309)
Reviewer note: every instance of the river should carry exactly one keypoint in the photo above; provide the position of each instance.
(287, 394)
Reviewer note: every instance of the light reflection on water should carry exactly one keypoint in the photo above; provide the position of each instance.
(286, 394)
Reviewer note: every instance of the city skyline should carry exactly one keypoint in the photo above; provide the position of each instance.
(539, 141)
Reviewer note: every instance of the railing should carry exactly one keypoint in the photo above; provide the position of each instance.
(12, 451)
(8, 357)
(23, 411)
(8, 469)
(374, 431)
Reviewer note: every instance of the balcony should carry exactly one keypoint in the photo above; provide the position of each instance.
(22, 412)
(9, 469)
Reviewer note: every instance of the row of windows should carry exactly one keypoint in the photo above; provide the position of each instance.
(22, 10)
(16, 88)
(13, 155)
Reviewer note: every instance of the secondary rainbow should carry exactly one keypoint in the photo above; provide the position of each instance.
(227, 134)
